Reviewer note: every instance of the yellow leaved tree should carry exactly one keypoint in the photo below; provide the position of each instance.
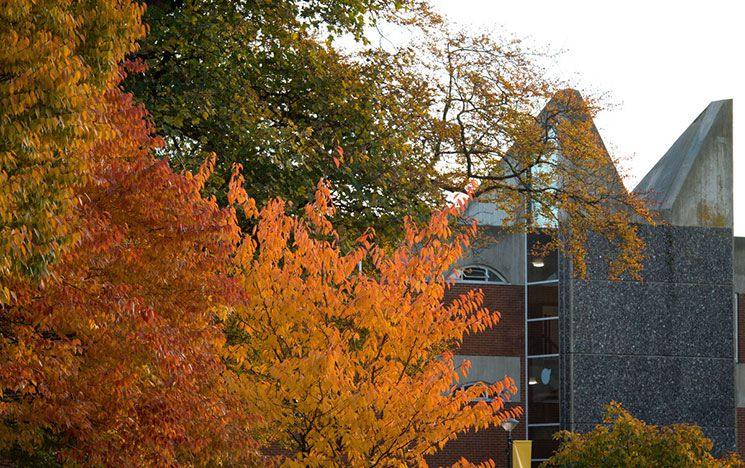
(345, 355)
(57, 60)
(623, 440)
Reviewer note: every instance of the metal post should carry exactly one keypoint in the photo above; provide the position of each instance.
(509, 449)
(508, 425)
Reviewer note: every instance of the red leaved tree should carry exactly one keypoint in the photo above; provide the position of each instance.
(113, 359)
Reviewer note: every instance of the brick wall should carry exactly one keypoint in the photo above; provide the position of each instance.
(476, 447)
(507, 338)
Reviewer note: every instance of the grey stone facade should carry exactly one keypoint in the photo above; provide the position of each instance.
(691, 185)
(663, 347)
(739, 266)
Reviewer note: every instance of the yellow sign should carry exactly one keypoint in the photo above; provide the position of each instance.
(521, 453)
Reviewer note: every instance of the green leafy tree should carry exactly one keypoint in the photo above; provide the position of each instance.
(393, 129)
(257, 84)
(622, 440)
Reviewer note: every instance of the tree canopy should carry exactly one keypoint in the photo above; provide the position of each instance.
(622, 440)
(395, 128)
(109, 352)
(351, 366)
(113, 359)
(57, 61)
(256, 84)
(152, 315)
(138, 344)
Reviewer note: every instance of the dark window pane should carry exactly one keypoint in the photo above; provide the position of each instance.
(543, 444)
(493, 277)
(543, 301)
(541, 267)
(543, 337)
(543, 391)
(480, 274)
(544, 413)
(474, 274)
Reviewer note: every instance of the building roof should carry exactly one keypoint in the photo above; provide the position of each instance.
(691, 185)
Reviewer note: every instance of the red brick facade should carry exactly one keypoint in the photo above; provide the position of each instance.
(476, 447)
(506, 339)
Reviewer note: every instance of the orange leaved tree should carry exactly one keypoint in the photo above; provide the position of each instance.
(114, 359)
(345, 355)
(58, 59)
(111, 265)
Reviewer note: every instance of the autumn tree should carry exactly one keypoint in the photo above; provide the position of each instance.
(622, 440)
(57, 61)
(347, 355)
(530, 143)
(114, 264)
(114, 359)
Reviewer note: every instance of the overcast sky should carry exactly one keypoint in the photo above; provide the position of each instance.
(660, 61)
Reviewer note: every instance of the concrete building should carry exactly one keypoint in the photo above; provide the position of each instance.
(669, 348)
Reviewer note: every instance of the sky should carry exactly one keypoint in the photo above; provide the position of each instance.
(660, 63)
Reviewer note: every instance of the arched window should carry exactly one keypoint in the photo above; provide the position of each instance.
(485, 394)
(478, 274)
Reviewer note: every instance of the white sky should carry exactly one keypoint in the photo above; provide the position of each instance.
(661, 62)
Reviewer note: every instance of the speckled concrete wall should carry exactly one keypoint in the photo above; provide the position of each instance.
(662, 347)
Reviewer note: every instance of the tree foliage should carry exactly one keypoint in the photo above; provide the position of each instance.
(622, 440)
(115, 355)
(256, 84)
(350, 366)
(57, 61)
(140, 326)
(531, 145)
(116, 359)
(394, 129)
(112, 358)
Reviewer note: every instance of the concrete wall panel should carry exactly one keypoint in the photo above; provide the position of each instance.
(664, 347)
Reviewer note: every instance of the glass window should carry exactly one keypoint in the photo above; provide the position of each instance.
(484, 394)
(543, 301)
(543, 175)
(541, 267)
(543, 390)
(479, 274)
(543, 443)
(543, 337)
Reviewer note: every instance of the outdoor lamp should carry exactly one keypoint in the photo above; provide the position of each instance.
(508, 425)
